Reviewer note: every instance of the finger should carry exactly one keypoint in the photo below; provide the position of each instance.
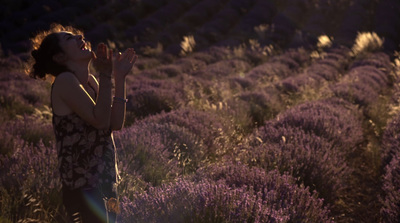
(125, 54)
(133, 61)
(106, 52)
(110, 55)
(101, 50)
(133, 56)
(128, 53)
(100, 47)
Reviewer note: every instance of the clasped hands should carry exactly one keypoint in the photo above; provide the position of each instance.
(119, 65)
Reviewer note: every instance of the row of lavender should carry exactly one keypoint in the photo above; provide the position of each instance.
(198, 150)
(323, 137)
(390, 158)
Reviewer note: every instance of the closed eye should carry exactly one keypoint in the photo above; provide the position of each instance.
(68, 36)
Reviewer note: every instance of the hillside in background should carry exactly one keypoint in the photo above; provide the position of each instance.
(152, 23)
(238, 111)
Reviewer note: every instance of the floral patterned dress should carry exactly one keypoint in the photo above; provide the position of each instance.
(86, 155)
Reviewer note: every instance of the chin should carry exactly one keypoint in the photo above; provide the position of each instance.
(87, 54)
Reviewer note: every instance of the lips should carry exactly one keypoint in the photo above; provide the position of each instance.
(83, 46)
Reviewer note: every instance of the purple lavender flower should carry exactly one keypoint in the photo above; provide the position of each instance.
(390, 141)
(299, 82)
(378, 60)
(355, 92)
(241, 83)
(186, 201)
(189, 65)
(222, 69)
(288, 60)
(269, 72)
(144, 151)
(333, 119)
(210, 130)
(148, 96)
(390, 211)
(262, 105)
(275, 189)
(325, 71)
(208, 201)
(311, 159)
(29, 180)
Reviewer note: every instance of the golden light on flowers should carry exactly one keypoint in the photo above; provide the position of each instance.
(367, 42)
(187, 45)
(324, 41)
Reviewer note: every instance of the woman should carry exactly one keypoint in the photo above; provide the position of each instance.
(84, 116)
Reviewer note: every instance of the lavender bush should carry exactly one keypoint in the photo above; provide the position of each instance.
(288, 60)
(30, 188)
(241, 83)
(269, 72)
(212, 132)
(189, 65)
(18, 90)
(262, 104)
(378, 60)
(362, 85)
(390, 141)
(33, 129)
(162, 147)
(356, 93)
(222, 69)
(325, 71)
(333, 119)
(390, 211)
(144, 158)
(300, 82)
(208, 201)
(278, 190)
(186, 201)
(312, 160)
(147, 96)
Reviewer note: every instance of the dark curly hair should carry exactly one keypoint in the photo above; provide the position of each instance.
(45, 46)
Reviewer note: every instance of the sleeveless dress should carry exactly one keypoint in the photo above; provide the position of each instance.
(86, 155)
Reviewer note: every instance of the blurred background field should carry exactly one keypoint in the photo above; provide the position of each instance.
(239, 110)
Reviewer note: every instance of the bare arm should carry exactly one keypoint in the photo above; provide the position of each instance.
(122, 66)
(73, 94)
(118, 109)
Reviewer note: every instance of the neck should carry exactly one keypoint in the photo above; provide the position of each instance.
(81, 71)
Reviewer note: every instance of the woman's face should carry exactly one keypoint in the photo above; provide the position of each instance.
(74, 46)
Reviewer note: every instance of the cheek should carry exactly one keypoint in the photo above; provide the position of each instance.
(69, 49)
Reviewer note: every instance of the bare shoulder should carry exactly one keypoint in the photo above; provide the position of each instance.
(66, 84)
(65, 79)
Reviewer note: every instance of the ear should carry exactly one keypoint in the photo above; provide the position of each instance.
(60, 58)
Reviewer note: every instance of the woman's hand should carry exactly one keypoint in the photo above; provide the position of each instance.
(123, 63)
(103, 60)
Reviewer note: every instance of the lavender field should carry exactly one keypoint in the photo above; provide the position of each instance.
(238, 111)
